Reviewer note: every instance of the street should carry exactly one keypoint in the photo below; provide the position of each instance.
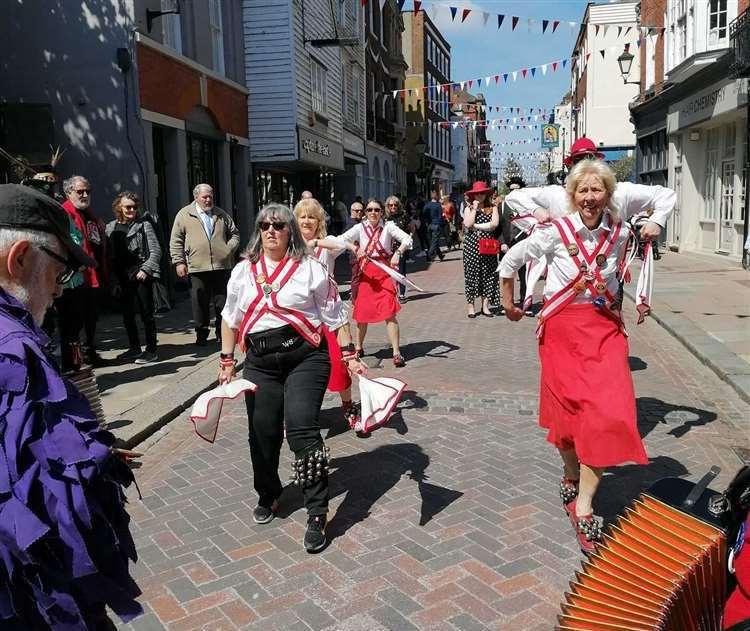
(448, 517)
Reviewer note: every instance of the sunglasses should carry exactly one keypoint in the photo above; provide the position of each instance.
(278, 226)
(68, 273)
(83, 191)
(374, 210)
(129, 207)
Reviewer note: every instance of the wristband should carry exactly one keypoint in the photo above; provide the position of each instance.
(226, 355)
(227, 363)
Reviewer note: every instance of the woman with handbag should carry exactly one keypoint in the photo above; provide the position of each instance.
(134, 262)
(480, 250)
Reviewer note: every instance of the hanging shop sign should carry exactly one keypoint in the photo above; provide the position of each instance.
(550, 136)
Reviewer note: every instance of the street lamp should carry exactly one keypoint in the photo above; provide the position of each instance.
(625, 61)
(420, 145)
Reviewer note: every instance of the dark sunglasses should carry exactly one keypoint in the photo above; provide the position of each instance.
(68, 273)
(376, 210)
(83, 191)
(278, 226)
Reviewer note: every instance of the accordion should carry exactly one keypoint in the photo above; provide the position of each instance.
(660, 567)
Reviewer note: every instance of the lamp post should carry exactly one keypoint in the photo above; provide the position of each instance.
(625, 61)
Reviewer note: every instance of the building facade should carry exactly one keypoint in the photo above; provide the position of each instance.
(385, 70)
(692, 128)
(564, 118)
(471, 150)
(600, 97)
(155, 106)
(294, 74)
(428, 57)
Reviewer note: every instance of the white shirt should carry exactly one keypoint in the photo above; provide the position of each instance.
(390, 232)
(328, 258)
(205, 213)
(546, 244)
(630, 199)
(307, 291)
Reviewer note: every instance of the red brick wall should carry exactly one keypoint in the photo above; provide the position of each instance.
(652, 14)
(743, 6)
(171, 88)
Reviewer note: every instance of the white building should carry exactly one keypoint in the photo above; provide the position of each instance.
(702, 148)
(563, 118)
(600, 97)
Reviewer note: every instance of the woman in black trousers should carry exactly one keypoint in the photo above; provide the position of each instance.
(278, 299)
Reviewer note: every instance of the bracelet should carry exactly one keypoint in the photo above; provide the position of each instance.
(226, 355)
(227, 363)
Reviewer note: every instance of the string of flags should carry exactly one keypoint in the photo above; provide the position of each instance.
(496, 123)
(464, 12)
(531, 71)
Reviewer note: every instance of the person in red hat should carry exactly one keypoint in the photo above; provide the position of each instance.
(480, 250)
(580, 150)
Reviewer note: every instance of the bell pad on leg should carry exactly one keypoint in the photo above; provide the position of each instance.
(311, 466)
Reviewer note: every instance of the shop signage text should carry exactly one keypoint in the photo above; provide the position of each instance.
(717, 99)
(317, 149)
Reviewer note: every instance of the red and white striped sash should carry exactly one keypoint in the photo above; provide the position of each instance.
(266, 301)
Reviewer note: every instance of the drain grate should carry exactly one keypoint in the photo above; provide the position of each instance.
(743, 453)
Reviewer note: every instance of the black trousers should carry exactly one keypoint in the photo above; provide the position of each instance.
(138, 298)
(291, 386)
(208, 288)
(76, 311)
(435, 233)
(522, 283)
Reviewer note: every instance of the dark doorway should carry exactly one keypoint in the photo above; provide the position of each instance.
(203, 164)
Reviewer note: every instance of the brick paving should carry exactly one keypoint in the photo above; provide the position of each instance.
(446, 518)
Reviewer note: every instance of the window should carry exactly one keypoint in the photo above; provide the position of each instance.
(727, 190)
(318, 86)
(709, 188)
(717, 23)
(355, 101)
(730, 141)
(217, 35)
(171, 29)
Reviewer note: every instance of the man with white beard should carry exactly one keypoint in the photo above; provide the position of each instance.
(64, 531)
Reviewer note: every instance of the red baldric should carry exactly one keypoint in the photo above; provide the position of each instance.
(266, 301)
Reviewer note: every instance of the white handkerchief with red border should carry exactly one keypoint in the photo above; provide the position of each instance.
(207, 408)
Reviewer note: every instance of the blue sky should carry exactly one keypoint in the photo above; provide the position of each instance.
(478, 51)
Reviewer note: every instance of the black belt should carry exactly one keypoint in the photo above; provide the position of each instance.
(285, 338)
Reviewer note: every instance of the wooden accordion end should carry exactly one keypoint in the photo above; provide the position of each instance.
(660, 566)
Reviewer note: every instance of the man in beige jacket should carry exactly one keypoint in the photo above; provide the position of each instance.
(203, 243)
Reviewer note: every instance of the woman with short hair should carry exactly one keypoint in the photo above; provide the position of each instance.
(376, 299)
(278, 300)
(134, 262)
(586, 402)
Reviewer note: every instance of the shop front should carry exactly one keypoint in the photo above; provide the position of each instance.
(706, 135)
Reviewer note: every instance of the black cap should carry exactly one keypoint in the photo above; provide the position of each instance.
(24, 208)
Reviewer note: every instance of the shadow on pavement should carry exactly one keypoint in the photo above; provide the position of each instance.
(636, 363)
(420, 349)
(414, 296)
(416, 402)
(139, 373)
(366, 477)
(652, 411)
(621, 485)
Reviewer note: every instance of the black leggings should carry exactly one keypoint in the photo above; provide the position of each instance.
(291, 386)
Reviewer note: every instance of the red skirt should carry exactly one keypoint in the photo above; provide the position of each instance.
(587, 400)
(340, 379)
(376, 296)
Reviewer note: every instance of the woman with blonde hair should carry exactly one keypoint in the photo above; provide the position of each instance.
(311, 220)
(586, 402)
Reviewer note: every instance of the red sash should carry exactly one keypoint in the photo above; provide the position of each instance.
(374, 249)
(266, 300)
(589, 270)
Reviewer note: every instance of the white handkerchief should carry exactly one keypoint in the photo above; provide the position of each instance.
(207, 408)
(378, 397)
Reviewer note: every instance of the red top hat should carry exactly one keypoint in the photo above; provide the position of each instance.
(479, 188)
(582, 147)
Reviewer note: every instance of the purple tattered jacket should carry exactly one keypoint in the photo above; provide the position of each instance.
(64, 536)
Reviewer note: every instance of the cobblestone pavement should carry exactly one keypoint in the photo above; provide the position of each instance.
(446, 518)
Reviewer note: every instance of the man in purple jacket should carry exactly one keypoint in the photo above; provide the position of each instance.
(64, 537)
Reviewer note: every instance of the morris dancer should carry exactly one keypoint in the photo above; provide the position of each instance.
(311, 219)
(376, 299)
(278, 300)
(586, 401)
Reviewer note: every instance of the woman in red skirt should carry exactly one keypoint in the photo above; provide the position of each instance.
(587, 402)
(377, 299)
(311, 220)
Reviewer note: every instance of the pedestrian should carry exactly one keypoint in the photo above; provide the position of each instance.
(203, 244)
(356, 211)
(134, 263)
(449, 214)
(394, 212)
(587, 402)
(339, 217)
(64, 532)
(376, 299)
(433, 212)
(278, 298)
(480, 251)
(512, 234)
(78, 306)
(311, 220)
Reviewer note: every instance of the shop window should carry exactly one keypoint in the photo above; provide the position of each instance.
(355, 100)
(171, 29)
(730, 140)
(203, 164)
(727, 190)
(709, 189)
(717, 23)
(319, 86)
(217, 35)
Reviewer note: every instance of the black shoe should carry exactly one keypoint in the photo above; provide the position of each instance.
(201, 340)
(93, 358)
(131, 353)
(315, 536)
(363, 434)
(264, 514)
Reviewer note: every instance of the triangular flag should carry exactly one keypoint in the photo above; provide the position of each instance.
(523, 72)
(587, 56)
(485, 17)
(544, 70)
(505, 77)
(515, 75)
(479, 83)
(554, 66)
(514, 20)
(628, 30)
(465, 15)
(601, 52)
(639, 42)
(417, 5)
(555, 24)
(533, 72)
(463, 84)
(497, 79)
(454, 10)
(395, 92)
(382, 4)
(564, 62)
(434, 8)
(500, 19)
(545, 24)
(471, 82)
(596, 30)
(529, 22)
(401, 4)
(606, 28)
